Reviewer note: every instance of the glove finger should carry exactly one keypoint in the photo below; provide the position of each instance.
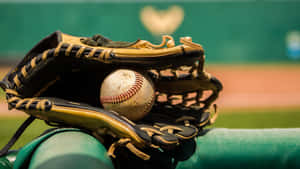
(165, 141)
(162, 139)
(180, 131)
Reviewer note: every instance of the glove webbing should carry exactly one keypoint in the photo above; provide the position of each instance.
(198, 100)
(187, 99)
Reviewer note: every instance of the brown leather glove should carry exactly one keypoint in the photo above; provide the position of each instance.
(59, 81)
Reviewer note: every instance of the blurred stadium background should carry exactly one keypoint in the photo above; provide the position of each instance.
(253, 46)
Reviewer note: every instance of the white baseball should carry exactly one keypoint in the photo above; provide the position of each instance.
(128, 92)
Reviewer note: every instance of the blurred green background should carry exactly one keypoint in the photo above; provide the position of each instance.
(237, 35)
(231, 31)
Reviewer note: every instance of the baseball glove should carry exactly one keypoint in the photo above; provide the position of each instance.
(59, 82)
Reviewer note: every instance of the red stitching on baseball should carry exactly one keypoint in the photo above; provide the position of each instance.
(126, 95)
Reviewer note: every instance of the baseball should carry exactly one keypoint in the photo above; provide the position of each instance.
(128, 92)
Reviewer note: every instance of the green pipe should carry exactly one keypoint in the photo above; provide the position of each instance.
(242, 148)
(70, 150)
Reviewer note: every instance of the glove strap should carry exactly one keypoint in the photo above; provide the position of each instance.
(15, 137)
(126, 142)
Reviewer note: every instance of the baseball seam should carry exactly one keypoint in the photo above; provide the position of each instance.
(149, 103)
(127, 94)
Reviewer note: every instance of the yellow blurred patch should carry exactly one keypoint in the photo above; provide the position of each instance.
(160, 22)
